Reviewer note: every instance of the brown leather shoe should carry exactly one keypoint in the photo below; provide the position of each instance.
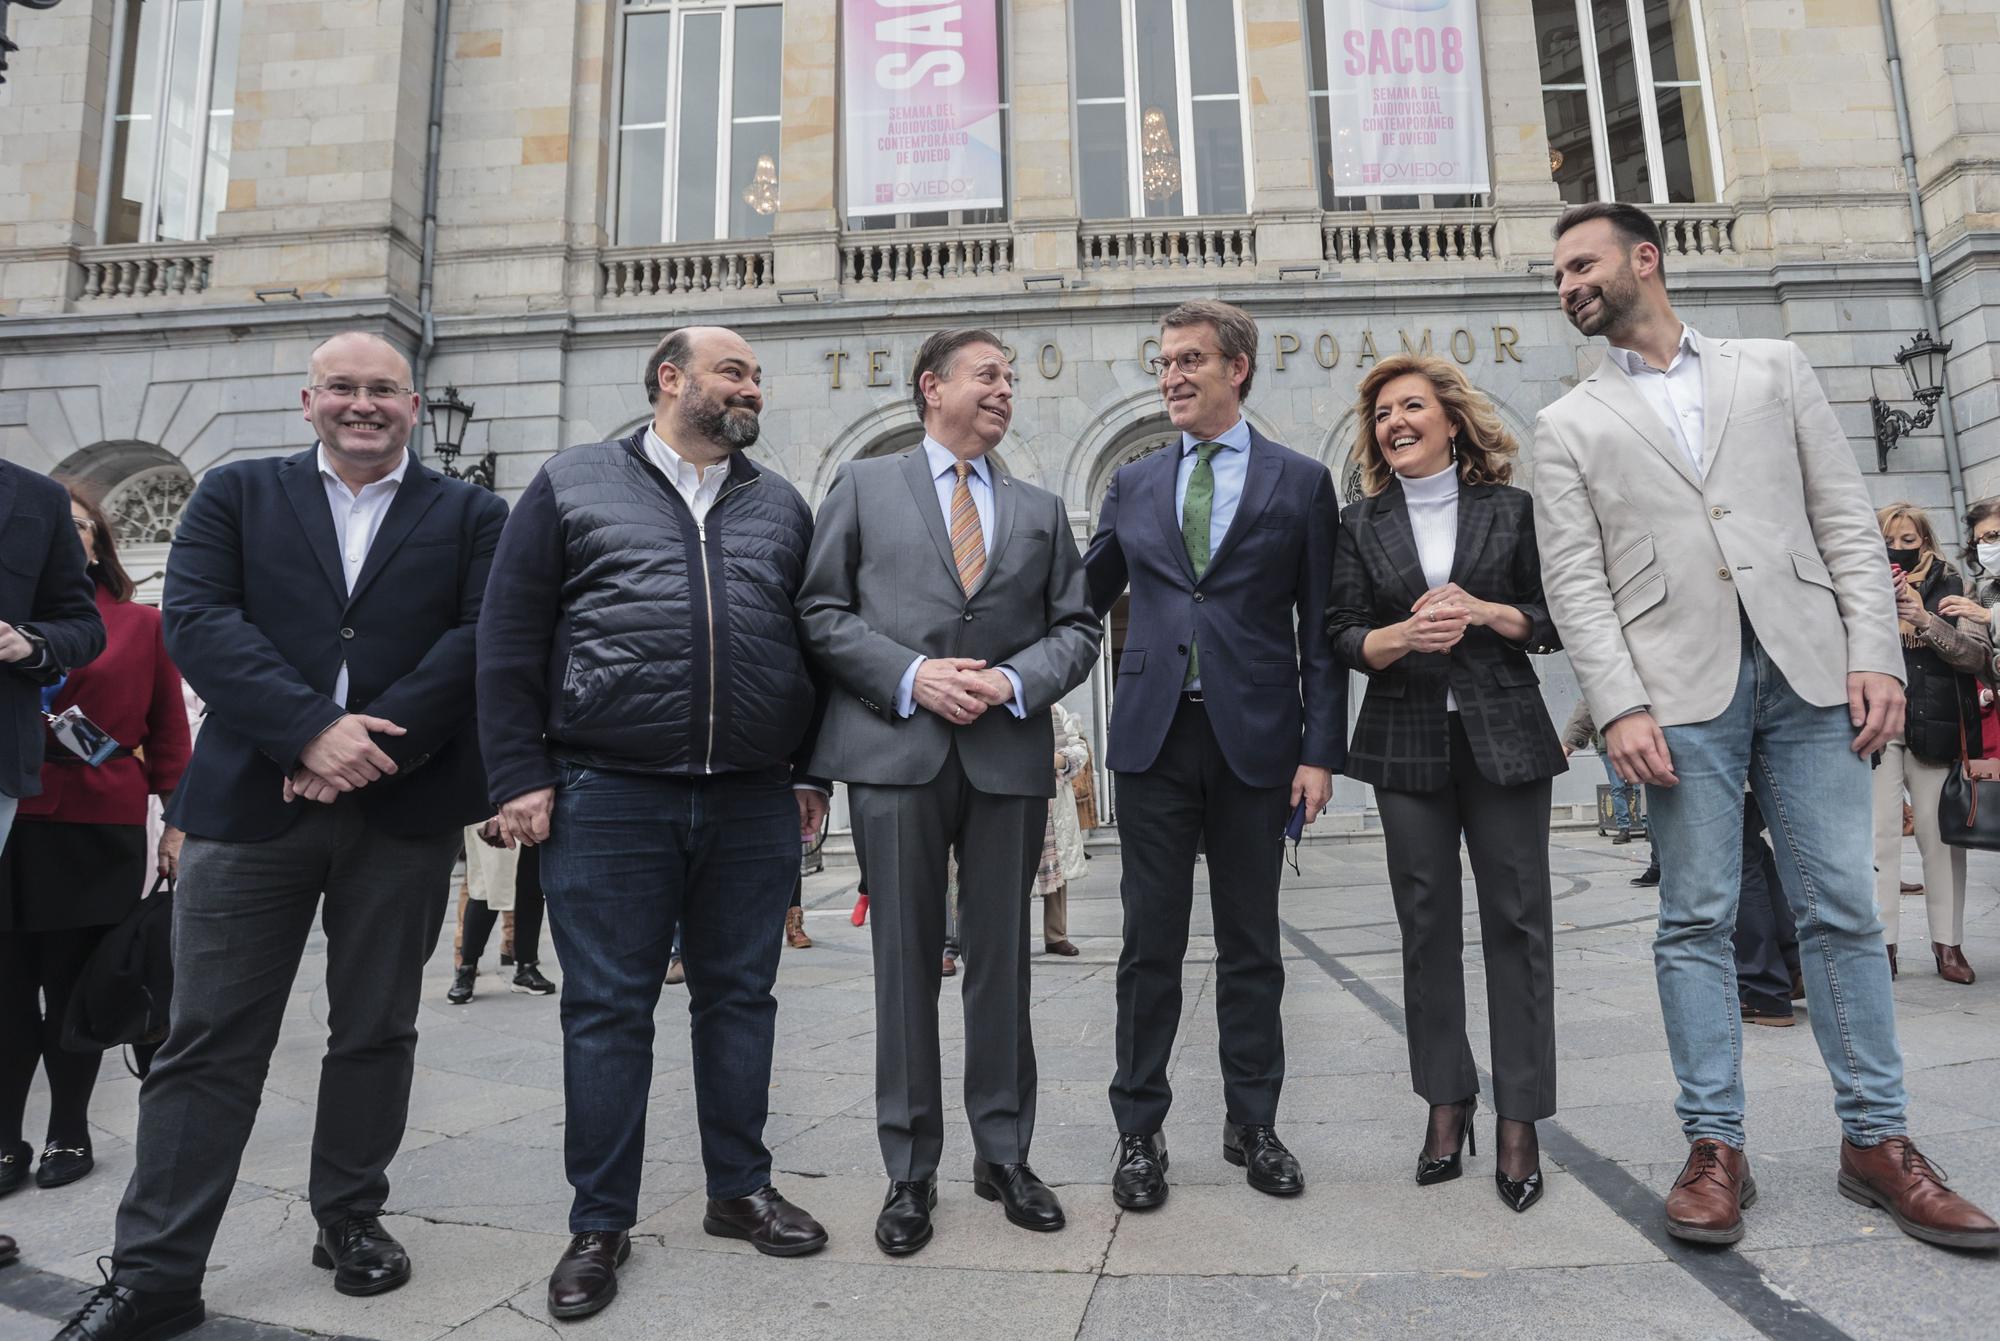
(949, 969)
(795, 929)
(1951, 963)
(1899, 1180)
(586, 1276)
(772, 1225)
(1066, 948)
(1909, 888)
(1758, 1015)
(1706, 1205)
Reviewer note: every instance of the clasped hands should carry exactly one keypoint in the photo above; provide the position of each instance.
(959, 689)
(342, 758)
(1439, 619)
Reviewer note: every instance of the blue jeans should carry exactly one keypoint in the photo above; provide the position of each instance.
(1816, 794)
(628, 856)
(1623, 794)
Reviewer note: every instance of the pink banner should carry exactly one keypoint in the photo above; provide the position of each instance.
(922, 106)
(1409, 109)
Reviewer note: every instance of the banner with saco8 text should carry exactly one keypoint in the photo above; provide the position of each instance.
(921, 102)
(1407, 98)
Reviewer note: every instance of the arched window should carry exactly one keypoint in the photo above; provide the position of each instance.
(166, 156)
(143, 488)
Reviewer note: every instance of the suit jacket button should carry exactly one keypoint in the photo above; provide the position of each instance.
(1182, 649)
(1722, 573)
(968, 616)
(1198, 596)
(1716, 513)
(347, 633)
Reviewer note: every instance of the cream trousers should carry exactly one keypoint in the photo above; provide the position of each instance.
(1944, 865)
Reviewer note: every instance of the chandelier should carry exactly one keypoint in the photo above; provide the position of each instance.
(1160, 162)
(762, 193)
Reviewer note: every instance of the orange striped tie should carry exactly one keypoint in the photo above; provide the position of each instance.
(968, 544)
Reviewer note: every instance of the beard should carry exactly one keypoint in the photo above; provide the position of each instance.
(1617, 302)
(734, 426)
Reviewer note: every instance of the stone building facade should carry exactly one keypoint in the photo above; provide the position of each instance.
(193, 192)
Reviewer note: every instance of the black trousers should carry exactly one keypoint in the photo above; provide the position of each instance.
(1767, 935)
(1190, 795)
(38, 974)
(1507, 833)
(242, 913)
(479, 918)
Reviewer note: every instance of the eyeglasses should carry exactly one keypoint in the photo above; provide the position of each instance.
(1188, 361)
(375, 391)
(1986, 538)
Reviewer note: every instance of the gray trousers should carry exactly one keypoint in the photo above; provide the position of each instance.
(242, 912)
(1507, 833)
(907, 832)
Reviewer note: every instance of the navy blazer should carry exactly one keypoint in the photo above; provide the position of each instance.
(43, 589)
(259, 620)
(1273, 691)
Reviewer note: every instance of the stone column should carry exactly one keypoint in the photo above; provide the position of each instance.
(1044, 169)
(1285, 199)
(1525, 197)
(51, 129)
(806, 232)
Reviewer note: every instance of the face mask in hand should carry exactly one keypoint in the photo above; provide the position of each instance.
(1905, 559)
(1989, 556)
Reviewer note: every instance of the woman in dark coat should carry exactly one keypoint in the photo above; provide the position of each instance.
(75, 863)
(1437, 599)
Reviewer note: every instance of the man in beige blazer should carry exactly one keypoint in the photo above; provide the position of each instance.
(1712, 560)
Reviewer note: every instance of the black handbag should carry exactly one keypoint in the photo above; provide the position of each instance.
(1969, 805)
(127, 983)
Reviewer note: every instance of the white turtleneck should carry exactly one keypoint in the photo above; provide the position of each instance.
(1433, 504)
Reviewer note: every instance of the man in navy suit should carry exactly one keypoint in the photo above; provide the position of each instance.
(324, 606)
(1228, 714)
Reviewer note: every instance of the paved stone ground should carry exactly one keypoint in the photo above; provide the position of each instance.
(480, 1199)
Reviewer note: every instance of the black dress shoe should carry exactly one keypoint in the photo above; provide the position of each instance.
(586, 1276)
(1434, 1169)
(773, 1225)
(15, 1161)
(1268, 1166)
(1649, 877)
(63, 1164)
(364, 1257)
(1519, 1195)
(905, 1222)
(1026, 1198)
(460, 991)
(528, 978)
(1139, 1180)
(116, 1313)
(10, 1251)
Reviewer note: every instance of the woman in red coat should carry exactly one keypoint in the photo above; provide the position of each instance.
(75, 863)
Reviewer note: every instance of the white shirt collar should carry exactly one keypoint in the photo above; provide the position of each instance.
(942, 461)
(327, 471)
(1634, 363)
(681, 470)
(1236, 439)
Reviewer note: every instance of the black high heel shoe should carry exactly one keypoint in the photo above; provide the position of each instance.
(1443, 1168)
(1521, 1193)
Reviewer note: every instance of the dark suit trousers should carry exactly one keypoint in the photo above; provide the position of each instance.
(1767, 936)
(1190, 794)
(242, 912)
(1507, 832)
(907, 832)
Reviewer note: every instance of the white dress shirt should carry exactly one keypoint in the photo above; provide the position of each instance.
(1674, 392)
(979, 483)
(1433, 504)
(699, 487)
(357, 519)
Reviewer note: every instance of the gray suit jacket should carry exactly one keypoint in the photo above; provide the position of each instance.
(881, 589)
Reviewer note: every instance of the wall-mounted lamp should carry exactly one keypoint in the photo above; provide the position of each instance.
(1923, 363)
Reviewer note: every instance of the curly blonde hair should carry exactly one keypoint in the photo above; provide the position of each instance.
(1482, 442)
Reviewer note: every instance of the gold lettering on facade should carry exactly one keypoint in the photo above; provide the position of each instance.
(875, 368)
(1049, 351)
(1424, 348)
(1470, 347)
(1326, 350)
(836, 357)
(1007, 352)
(1367, 350)
(1283, 343)
(1503, 344)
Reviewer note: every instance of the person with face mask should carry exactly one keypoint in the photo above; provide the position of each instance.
(1941, 655)
(1981, 560)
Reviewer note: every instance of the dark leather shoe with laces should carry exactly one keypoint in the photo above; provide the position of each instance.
(1267, 1165)
(10, 1251)
(1026, 1198)
(117, 1313)
(364, 1257)
(1649, 877)
(586, 1276)
(772, 1225)
(1707, 1203)
(1899, 1180)
(905, 1222)
(63, 1164)
(15, 1161)
(462, 978)
(1139, 1180)
(528, 978)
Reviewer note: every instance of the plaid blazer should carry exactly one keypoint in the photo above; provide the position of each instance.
(1402, 739)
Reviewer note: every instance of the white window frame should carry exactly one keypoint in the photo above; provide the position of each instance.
(1649, 103)
(726, 119)
(1184, 101)
(149, 230)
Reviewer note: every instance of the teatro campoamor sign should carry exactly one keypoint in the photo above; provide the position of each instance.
(921, 106)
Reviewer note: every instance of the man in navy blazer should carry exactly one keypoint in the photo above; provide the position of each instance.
(1228, 713)
(324, 606)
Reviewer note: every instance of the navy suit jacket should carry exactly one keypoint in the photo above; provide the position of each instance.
(1274, 693)
(42, 588)
(259, 620)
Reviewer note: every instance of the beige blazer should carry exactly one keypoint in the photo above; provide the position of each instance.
(1644, 564)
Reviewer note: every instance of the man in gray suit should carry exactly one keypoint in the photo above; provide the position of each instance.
(946, 603)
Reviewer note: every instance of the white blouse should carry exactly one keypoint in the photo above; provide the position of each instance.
(1433, 505)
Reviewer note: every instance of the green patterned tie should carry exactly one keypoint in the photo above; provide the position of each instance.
(1195, 511)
